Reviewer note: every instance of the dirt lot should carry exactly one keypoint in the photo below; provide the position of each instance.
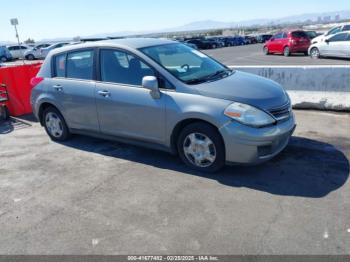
(90, 196)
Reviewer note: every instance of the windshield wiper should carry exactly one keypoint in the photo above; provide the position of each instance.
(208, 77)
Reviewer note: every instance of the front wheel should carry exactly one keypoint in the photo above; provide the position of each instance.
(201, 147)
(55, 125)
(266, 50)
(315, 53)
(30, 57)
(286, 51)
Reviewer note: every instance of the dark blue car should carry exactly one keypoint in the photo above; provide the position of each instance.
(5, 54)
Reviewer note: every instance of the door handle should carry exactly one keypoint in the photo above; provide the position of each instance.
(104, 93)
(58, 88)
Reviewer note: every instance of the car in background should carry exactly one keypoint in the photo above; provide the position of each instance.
(203, 43)
(263, 38)
(164, 95)
(312, 34)
(35, 53)
(190, 45)
(17, 51)
(218, 41)
(288, 42)
(333, 31)
(5, 54)
(250, 40)
(337, 45)
(44, 51)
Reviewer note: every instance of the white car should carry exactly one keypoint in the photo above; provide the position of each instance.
(334, 46)
(331, 32)
(17, 51)
(35, 53)
(44, 51)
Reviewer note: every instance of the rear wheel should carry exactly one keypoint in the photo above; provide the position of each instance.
(55, 125)
(315, 53)
(200, 146)
(286, 51)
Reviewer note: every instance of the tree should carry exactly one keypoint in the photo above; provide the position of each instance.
(29, 41)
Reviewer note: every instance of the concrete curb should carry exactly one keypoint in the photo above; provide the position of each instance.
(310, 87)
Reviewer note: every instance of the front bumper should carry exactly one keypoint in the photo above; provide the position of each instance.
(248, 145)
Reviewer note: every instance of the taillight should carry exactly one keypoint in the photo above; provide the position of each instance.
(35, 81)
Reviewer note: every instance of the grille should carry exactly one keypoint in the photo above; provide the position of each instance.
(281, 113)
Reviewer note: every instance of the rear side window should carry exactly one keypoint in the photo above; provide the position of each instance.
(299, 34)
(346, 28)
(60, 65)
(80, 65)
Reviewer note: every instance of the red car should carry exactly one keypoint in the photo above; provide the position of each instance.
(287, 43)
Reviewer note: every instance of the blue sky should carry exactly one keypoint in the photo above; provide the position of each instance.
(65, 18)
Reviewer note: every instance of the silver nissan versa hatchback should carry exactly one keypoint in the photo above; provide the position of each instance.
(164, 95)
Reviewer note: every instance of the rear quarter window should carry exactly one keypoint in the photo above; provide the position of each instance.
(80, 65)
(60, 65)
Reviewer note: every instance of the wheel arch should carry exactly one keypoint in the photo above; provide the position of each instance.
(42, 108)
(181, 125)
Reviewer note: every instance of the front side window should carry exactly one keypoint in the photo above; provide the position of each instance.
(123, 68)
(338, 38)
(80, 65)
(186, 64)
(278, 36)
(60, 65)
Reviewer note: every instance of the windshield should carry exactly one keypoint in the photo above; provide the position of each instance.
(186, 63)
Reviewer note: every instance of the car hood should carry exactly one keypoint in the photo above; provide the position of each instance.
(246, 88)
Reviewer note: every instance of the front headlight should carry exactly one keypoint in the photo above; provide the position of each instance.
(249, 115)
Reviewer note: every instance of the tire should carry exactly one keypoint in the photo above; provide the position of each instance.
(209, 151)
(306, 53)
(4, 113)
(266, 50)
(30, 57)
(57, 129)
(286, 51)
(315, 53)
(3, 59)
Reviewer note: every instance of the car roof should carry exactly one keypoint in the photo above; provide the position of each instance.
(134, 43)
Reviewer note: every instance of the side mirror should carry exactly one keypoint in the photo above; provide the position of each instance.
(151, 83)
(327, 41)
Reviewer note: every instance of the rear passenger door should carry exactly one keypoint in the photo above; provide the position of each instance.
(73, 87)
(125, 108)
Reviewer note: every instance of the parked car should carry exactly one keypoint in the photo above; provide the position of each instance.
(35, 53)
(164, 95)
(17, 51)
(191, 45)
(337, 45)
(5, 54)
(203, 43)
(251, 40)
(333, 31)
(218, 41)
(44, 51)
(287, 43)
(263, 38)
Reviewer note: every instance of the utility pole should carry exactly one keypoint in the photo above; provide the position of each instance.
(14, 22)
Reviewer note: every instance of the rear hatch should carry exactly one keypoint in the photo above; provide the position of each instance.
(300, 38)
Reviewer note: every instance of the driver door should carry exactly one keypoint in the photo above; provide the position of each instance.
(124, 107)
